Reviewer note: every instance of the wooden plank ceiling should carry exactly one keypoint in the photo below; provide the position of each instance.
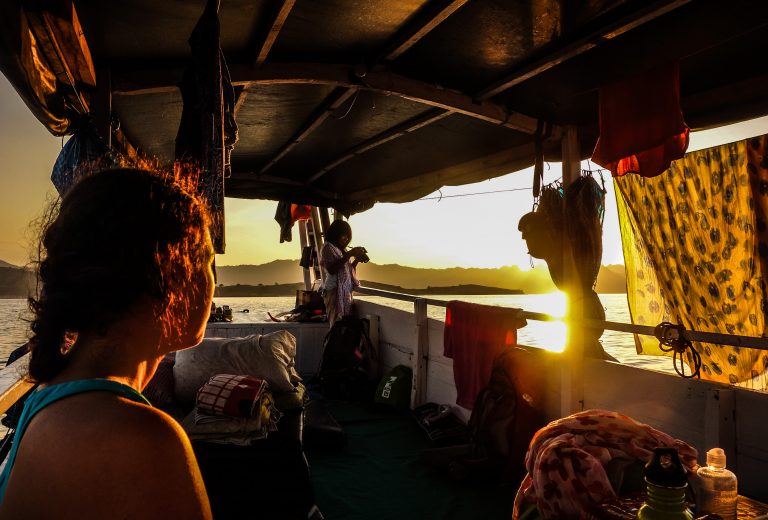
(344, 103)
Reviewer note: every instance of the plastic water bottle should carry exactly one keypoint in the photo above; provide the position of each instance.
(718, 492)
(666, 482)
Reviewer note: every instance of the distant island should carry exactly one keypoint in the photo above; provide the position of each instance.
(463, 289)
(611, 278)
(289, 289)
(283, 277)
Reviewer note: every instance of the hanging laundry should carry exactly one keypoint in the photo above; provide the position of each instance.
(85, 149)
(300, 212)
(283, 218)
(695, 252)
(287, 215)
(208, 131)
(641, 124)
(474, 336)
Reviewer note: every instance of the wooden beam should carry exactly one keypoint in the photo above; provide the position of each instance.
(381, 81)
(331, 104)
(607, 33)
(382, 138)
(241, 93)
(274, 29)
(412, 34)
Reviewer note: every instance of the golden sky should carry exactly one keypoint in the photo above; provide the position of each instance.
(468, 231)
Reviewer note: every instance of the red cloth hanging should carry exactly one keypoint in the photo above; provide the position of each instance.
(641, 124)
(300, 212)
(474, 336)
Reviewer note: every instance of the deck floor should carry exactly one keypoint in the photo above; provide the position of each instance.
(378, 474)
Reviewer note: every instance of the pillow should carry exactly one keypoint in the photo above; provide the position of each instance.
(269, 357)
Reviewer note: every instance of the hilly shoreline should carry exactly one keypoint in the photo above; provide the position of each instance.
(284, 277)
(264, 279)
(289, 289)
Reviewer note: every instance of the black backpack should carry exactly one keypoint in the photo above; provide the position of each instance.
(349, 367)
(506, 415)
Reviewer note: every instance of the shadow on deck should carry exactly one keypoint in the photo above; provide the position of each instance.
(378, 475)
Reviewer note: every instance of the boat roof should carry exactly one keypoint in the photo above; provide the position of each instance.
(345, 103)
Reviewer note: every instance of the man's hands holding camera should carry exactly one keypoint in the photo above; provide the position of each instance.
(360, 254)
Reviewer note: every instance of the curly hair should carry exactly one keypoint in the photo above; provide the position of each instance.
(116, 238)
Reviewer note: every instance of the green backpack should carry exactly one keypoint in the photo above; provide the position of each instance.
(395, 388)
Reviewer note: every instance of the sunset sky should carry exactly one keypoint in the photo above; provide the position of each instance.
(467, 231)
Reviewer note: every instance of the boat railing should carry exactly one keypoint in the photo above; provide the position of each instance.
(14, 382)
(759, 343)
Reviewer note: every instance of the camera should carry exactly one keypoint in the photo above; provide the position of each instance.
(363, 258)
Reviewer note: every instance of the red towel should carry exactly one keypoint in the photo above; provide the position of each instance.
(474, 336)
(641, 123)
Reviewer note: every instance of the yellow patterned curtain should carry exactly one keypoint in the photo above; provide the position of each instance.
(694, 241)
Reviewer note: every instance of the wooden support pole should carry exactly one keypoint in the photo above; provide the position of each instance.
(572, 383)
(101, 107)
(325, 219)
(720, 423)
(422, 353)
(304, 241)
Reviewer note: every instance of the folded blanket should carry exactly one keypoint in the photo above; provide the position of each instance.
(567, 460)
(233, 430)
(228, 394)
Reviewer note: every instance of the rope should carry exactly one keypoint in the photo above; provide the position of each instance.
(672, 338)
(468, 194)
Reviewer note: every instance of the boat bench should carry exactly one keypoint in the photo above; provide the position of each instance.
(268, 479)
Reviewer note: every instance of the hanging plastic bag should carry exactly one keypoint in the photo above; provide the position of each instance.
(84, 148)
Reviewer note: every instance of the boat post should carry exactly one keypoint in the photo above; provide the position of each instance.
(572, 370)
(304, 242)
(419, 396)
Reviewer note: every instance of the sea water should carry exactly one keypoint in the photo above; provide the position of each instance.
(15, 316)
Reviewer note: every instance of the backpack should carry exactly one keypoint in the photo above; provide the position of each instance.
(349, 364)
(506, 415)
(395, 388)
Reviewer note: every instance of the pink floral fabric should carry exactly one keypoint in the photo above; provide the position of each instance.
(346, 278)
(566, 460)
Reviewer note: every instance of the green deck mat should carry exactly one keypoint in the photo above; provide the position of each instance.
(378, 474)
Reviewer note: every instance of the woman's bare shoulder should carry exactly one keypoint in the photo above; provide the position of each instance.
(134, 455)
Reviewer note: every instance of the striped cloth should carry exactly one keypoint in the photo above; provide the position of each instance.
(233, 395)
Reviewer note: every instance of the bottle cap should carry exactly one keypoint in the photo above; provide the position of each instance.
(665, 469)
(716, 458)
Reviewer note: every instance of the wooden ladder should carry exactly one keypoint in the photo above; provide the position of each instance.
(310, 233)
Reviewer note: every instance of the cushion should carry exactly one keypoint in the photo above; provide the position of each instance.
(269, 357)
(229, 394)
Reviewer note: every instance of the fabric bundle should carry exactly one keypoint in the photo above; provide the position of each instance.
(232, 409)
(569, 461)
(641, 123)
(696, 254)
